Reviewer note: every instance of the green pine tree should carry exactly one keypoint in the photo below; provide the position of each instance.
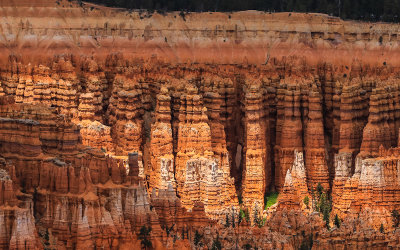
(337, 221)
(227, 223)
(306, 201)
(144, 236)
(382, 229)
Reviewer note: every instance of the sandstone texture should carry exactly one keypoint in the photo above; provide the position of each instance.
(112, 121)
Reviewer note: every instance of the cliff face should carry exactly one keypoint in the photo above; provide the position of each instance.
(201, 173)
(246, 36)
(255, 161)
(16, 213)
(81, 197)
(161, 148)
(295, 188)
(111, 121)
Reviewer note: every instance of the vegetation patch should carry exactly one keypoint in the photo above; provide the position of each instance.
(270, 199)
(323, 203)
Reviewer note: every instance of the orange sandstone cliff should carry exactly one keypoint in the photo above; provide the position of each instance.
(113, 121)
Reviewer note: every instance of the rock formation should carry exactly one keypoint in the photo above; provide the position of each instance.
(255, 160)
(125, 112)
(85, 198)
(161, 148)
(200, 174)
(315, 151)
(290, 137)
(295, 188)
(17, 230)
(112, 121)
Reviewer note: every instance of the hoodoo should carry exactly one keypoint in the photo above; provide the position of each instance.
(122, 129)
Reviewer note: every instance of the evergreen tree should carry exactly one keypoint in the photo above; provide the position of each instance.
(320, 189)
(325, 208)
(382, 229)
(227, 223)
(395, 218)
(337, 221)
(306, 201)
(247, 215)
(144, 236)
(241, 216)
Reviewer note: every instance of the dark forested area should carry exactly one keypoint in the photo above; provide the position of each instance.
(370, 10)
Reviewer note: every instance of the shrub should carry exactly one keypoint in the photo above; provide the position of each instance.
(247, 246)
(382, 229)
(241, 214)
(306, 201)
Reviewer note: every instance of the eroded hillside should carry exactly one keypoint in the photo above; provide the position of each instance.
(112, 121)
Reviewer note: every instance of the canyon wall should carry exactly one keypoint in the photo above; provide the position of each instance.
(115, 120)
(242, 37)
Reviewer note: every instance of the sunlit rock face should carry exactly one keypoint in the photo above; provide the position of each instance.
(295, 188)
(162, 158)
(201, 174)
(112, 121)
(256, 162)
